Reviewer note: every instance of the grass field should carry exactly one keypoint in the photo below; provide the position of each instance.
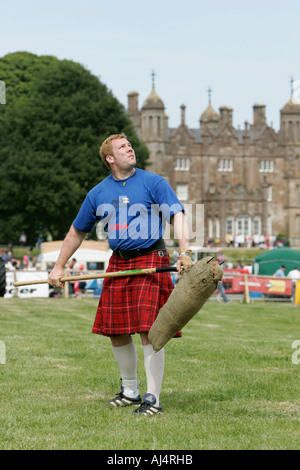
(229, 383)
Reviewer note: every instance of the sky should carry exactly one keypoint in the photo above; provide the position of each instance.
(246, 52)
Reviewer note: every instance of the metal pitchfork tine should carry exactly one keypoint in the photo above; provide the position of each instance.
(214, 258)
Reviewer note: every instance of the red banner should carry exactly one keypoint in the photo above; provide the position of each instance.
(263, 285)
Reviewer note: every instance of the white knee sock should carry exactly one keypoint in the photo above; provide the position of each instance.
(126, 358)
(154, 367)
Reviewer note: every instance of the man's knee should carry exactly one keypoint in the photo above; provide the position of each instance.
(120, 340)
(144, 338)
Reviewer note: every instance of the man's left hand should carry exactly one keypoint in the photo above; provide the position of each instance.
(184, 262)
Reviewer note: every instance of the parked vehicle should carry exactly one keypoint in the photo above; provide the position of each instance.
(2, 278)
(92, 255)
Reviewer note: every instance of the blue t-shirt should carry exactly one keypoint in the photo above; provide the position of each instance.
(133, 211)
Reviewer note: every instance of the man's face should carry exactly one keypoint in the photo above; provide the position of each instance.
(123, 155)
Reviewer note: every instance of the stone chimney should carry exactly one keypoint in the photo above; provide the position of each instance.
(225, 115)
(133, 111)
(259, 115)
(183, 114)
(133, 98)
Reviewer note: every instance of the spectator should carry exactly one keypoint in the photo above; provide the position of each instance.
(7, 256)
(228, 265)
(175, 256)
(12, 264)
(40, 240)
(280, 272)
(80, 286)
(294, 274)
(34, 261)
(23, 238)
(26, 259)
(239, 240)
(249, 241)
(71, 268)
(223, 293)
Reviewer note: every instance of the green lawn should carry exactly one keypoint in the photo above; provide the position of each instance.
(229, 383)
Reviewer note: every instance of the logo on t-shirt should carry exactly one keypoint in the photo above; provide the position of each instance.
(122, 201)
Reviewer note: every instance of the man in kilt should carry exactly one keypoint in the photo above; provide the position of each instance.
(134, 205)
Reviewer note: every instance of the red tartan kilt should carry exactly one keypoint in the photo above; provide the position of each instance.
(130, 304)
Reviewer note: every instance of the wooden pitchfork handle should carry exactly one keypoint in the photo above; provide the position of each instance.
(84, 277)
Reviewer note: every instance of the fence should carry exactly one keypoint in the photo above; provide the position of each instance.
(238, 284)
(252, 287)
(35, 290)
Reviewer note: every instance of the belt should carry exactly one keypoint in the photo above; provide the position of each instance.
(159, 245)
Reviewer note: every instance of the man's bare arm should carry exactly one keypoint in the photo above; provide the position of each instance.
(71, 243)
(182, 234)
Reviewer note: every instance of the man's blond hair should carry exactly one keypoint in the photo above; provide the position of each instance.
(107, 148)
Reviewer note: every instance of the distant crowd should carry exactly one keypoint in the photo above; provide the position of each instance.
(12, 263)
(262, 242)
(239, 241)
(28, 261)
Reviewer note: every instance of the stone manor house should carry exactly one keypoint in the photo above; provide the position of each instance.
(247, 179)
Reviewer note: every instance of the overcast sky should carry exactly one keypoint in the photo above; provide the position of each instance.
(245, 51)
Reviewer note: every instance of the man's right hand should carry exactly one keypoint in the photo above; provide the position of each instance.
(54, 277)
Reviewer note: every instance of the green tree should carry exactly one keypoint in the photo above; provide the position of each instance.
(56, 115)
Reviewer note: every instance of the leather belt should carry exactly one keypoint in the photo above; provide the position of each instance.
(159, 245)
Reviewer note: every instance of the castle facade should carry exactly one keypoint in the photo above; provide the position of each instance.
(247, 179)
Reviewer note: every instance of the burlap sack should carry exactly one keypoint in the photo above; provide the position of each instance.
(195, 286)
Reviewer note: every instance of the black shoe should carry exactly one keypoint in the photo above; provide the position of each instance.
(122, 400)
(147, 407)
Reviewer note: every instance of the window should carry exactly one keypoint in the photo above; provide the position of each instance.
(256, 225)
(214, 227)
(182, 164)
(290, 136)
(229, 226)
(182, 191)
(95, 265)
(225, 164)
(297, 195)
(210, 228)
(218, 232)
(266, 166)
(158, 126)
(150, 126)
(297, 228)
(212, 188)
(243, 225)
(269, 197)
(269, 224)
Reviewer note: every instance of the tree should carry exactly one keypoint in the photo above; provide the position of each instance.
(56, 115)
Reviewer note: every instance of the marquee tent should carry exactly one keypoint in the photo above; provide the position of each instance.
(268, 262)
